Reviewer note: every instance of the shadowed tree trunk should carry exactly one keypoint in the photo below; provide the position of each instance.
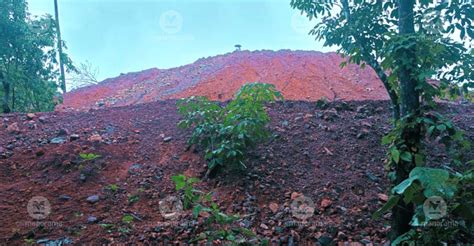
(6, 95)
(409, 107)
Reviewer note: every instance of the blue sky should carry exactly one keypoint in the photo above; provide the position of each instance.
(130, 35)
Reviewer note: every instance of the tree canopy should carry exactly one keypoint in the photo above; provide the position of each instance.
(367, 33)
(28, 59)
(421, 50)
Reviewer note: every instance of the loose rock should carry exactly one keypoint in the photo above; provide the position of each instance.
(93, 199)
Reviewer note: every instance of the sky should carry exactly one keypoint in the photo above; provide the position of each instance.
(120, 36)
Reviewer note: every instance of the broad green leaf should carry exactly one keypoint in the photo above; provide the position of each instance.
(406, 156)
(179, 181)
(395, 155)
(196, 210)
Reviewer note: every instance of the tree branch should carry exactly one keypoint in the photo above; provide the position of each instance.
(372, 62)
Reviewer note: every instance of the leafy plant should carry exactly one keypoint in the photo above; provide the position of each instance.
(109, 228)
(424, 183)
(30, 241)
(133, 198)
(200, 201)
(322, 103)
(191, 195)
(89, 156)
(226, 133)
(113, 187)
(127, 219)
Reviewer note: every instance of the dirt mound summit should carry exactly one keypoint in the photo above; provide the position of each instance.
(300, 75)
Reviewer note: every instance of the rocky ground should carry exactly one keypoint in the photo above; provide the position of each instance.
(331, 156)
(299, 75)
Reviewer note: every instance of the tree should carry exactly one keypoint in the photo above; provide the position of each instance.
(407, 43)
(85, 75)
(238, 47)
(28, 63)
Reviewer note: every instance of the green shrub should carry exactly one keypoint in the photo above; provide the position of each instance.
(218, 224)
(226, 133)
(456, 191)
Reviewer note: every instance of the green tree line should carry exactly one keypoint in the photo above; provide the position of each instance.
(29, 61)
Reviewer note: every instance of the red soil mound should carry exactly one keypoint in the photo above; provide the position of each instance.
(300, 75)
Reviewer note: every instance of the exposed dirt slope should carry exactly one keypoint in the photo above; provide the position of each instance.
(332, 156)
(300, 75)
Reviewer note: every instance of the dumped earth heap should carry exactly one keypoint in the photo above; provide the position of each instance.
(299, 75)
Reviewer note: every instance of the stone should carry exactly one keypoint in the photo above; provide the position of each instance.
(64, 198)
(341, 236)
(74, 137)
(167, 139)
(132, 169)
(263, 226)
(325, 203)
(93, 199)
(273, 207)
(91, 219)
(58, 140)
(95, 138)
(382, 197)
(13, 128)
(30, 116)
(372, 177)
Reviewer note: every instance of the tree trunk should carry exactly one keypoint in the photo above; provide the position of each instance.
(409, 106)
(6, 95)
(60, 48)
(391, 92)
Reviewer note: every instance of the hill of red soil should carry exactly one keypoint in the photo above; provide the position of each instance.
(300, 75)
(332, 156)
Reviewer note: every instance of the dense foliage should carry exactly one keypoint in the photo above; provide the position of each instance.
(226, 133)
(28, 59)
(424, 183)
(421, 50)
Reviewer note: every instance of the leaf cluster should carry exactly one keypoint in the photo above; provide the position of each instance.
(219, 225)
(227, 133)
